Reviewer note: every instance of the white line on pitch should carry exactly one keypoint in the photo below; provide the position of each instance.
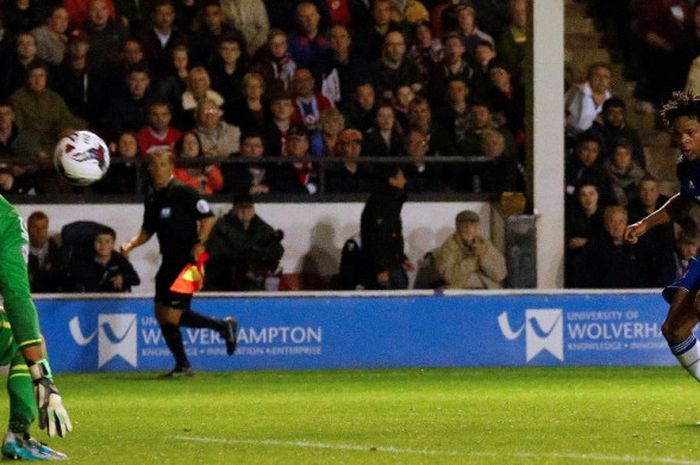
(453, 453)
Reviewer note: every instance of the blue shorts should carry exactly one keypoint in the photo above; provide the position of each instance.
(690, 281)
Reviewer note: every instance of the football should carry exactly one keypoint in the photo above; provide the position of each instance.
(81, 158)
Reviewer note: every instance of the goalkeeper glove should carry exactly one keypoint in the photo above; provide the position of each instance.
(52, 415)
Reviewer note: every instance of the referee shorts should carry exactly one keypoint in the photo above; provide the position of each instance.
(166, 276)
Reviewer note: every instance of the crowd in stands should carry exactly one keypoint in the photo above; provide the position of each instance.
(606, 181)
(214, 82)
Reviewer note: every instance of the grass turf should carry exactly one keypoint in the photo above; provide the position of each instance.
(437, 416)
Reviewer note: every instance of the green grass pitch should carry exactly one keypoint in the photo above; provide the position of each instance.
(409, 416)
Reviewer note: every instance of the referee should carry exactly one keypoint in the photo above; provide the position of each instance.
(182, 220)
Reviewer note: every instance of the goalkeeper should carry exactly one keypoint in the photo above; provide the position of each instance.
(30, 383)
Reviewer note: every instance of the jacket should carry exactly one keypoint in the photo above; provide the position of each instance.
(459, 266)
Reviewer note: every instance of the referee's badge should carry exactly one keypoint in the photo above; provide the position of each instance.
(203, 206)
(165, 213)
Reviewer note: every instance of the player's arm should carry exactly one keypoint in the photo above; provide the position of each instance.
(139, 239)
(675, 208)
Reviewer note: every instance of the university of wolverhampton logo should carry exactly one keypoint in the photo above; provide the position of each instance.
(116, 336)
(544, 331)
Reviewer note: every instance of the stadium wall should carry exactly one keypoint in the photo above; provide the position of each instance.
(366, 330)
(314, 232)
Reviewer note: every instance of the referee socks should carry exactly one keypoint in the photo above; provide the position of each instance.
(192, 319)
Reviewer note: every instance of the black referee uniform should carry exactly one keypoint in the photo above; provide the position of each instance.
(172, 213)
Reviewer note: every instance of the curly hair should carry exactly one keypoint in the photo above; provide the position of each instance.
(682, 103)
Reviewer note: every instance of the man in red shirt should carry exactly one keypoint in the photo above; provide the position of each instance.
(158, 135)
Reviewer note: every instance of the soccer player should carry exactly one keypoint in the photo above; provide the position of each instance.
(682, 113)
(30, 382)
(182, 220)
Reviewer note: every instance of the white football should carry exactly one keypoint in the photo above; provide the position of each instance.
(81, 158)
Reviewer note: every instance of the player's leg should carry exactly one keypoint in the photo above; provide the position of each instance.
(227, 328)
(677, 328)
(18, 443)
(168, 320)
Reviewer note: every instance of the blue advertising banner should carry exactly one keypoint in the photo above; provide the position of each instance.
(330, 331)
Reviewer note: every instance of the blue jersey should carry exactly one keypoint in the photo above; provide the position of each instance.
(688, 172)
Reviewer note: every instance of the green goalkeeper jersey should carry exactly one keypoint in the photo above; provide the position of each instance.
(14, 280)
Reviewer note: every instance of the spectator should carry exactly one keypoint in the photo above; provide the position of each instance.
(394, 68)
(250, 112)
(382, 234)
(128, 111)
(307, 43)
(584, 220)
(500, 173)
(51, 37)
(275, 63)
(275, 137)
(467, 259)
(160, 40)
(174, 85)
(468, 30)
(385, 138)
(42, 111)
(18, 177)
(421, 176)
(79, 12)
(478, 120)
(218, 138)
(453, 112)
(371, 36)
(104, 34)
(105, 270)
(331, 123)
(21, 16)
(624, 173)
(78, 84)
(656, 247)
(508, 99)
(46, 260)
(115, 73)
(244, 250)
(657, 27)
(250, 178)
(249, 17)
(299, 177)
(226, 69)
(14, 74)
(340, 12)
(282, 13)
(421, 116)
(609, 262)
(124, 175)
(339, 69)
(585, 167)
(309, 103)
(409, 11)
(198, 88)
(453, 65)
(584, 101)
(613, 127)
(204, 41)
(205, 179)
(401, 102)
(350, 176)
(426, 50)
(480, 81)
(362, 109)
(512, 42)
(158, 135)
(686, 250)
